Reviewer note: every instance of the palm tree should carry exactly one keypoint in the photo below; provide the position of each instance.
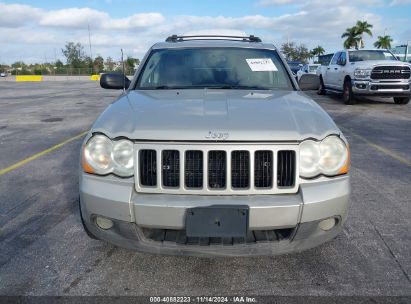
(363, 27)
(383, 42)
(319, 50)
(352, 37)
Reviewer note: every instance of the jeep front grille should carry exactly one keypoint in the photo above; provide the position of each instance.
(219, 169)
(390, 72)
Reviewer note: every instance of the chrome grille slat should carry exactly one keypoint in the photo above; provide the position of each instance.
(216, 169)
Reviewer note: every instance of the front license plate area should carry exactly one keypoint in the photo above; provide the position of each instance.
(217, 221)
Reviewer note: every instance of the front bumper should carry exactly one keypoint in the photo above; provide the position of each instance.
(400, 88)
(133, 212)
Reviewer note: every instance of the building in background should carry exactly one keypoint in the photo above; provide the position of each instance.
(402, 52)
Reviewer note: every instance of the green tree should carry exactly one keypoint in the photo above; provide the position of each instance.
(20, 68)
(352, 39)
(317, 51)
(59, 64)
(288, 50)
(98, 64)
(109, 64)
(294, 52)
(363, 27)
(130, 64)
(383, 42)
(74, 53)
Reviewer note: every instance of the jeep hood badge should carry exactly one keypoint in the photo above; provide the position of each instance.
(217, 135)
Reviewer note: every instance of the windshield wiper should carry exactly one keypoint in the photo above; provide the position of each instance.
(163, 87)
(238, 87)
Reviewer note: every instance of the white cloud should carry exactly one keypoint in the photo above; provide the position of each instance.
(400, 2)
(15, 15)
(309, 22)
(72, 17)
(80, 17)
(276, 2)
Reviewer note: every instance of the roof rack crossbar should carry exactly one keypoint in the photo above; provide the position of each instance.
(176, 38)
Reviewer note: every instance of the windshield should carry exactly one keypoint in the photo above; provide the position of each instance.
(225, 68)
(312, 68)
(370, 55)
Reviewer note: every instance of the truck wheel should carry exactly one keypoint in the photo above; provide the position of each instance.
(402, 100)
(321, 88)
(84, 225)
(348, 95)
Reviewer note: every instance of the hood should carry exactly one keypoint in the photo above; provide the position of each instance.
(372, 63)
(211, 115)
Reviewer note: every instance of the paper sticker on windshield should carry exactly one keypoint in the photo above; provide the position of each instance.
(261, 64)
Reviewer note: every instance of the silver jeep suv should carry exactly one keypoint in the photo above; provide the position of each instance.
(213, 149)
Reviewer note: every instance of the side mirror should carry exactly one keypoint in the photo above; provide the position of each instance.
(309, 82)
(114, 81)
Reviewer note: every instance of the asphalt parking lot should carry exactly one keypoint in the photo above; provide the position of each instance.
(44, 250)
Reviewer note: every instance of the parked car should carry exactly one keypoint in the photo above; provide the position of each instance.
(214, 150)
(366, 72)
(295, 66)
(2, 74)
(307, 69)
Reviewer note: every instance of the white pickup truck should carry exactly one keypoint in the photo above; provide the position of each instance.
(367, 73)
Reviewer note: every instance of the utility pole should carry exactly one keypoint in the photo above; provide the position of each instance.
(89, 40)
(89, 44)
(406, 50)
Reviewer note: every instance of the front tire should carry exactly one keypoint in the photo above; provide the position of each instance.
(348, 95)
(402, 100)
(321, 88)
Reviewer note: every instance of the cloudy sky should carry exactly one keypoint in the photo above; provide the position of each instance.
(35, 31)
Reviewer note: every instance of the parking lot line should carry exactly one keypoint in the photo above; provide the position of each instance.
(37, 155)
(379, 148)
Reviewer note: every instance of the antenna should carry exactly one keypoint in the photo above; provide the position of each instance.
(124, 71)
(89, 40)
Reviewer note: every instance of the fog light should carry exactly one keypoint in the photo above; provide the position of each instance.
(327, 224)
(104, 223)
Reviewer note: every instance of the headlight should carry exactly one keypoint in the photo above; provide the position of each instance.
(123, 157)
(309, 158)
(362, 73)
(329, 157)
(102, 156)
(334, 154)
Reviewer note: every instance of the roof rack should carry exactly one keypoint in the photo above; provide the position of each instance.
(176, 38)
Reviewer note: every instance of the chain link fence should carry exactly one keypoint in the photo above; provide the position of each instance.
(66, 71)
